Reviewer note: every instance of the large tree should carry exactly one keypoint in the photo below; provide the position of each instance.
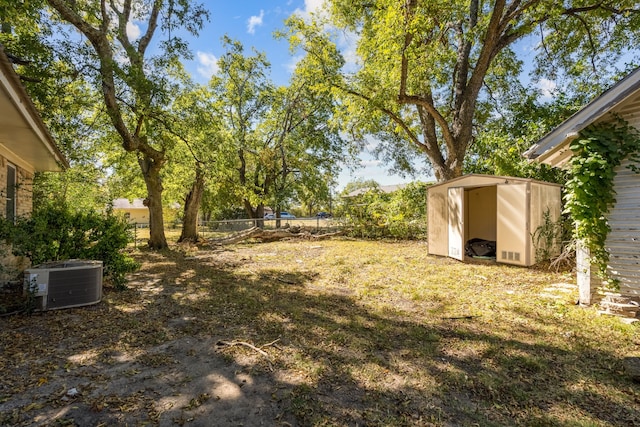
(283, 138)
(134, 85)
(430, 71)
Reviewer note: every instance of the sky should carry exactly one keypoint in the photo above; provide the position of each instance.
(253, 22)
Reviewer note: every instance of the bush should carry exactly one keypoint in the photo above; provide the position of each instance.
(56, 233)
(399, 215)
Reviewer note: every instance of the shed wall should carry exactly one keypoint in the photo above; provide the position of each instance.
(545, 203)
(512, 245)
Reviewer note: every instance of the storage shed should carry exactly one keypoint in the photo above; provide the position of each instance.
(504, 210)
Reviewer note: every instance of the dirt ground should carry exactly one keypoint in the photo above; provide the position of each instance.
(77, 376)
(304, 333)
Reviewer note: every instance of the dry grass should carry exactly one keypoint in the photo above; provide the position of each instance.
(369, 333)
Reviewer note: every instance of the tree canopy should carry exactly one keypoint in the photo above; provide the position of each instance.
(134, 86)
(430, 72)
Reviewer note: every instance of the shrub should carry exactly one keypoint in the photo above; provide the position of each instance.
(55, 233)
(399, 215)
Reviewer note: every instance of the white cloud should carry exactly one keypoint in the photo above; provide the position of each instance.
(293, 62)
(254, 21)
(133, 31)
(310, 7)
(208, 64)
(547, 88)
(370, 163)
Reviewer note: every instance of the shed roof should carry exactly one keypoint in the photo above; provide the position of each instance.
(553, 148)
(476, 179)
(22, 130)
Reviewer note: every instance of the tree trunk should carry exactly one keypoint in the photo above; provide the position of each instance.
(191, 208)
(255, 213)
(151, 173)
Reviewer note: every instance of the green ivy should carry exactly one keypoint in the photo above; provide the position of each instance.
(598, 150)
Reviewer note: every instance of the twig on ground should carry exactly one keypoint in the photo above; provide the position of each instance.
(223, 344)
(459, 317)
(246, 344)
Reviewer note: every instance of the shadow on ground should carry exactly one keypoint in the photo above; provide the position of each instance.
(154, 355)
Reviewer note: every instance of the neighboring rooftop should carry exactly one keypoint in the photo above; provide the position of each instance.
(382, 188)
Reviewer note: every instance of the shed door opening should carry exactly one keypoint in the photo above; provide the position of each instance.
(472, 217)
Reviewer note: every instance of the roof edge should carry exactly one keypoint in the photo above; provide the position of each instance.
(594, 110)
(506, 178)
(7, 68)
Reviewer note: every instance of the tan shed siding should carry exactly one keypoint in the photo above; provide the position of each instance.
(623, 241)
(545, 202)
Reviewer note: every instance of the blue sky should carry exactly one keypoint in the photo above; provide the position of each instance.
(253, 23)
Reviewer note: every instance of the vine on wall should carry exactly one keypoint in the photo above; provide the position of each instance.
(599, 149)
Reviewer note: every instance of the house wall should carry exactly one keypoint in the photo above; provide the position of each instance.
(24, 188)
(134, 215)
(11, 266)
(623, 241)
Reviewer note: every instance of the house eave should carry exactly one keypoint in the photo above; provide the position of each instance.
(553, 148)
(22, 130)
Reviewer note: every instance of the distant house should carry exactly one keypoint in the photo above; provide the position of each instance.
(26, 147)
(623, 242)
(135, 212)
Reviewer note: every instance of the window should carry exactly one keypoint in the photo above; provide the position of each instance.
(11, 193)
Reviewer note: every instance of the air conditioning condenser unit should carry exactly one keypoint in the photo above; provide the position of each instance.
(65, 284)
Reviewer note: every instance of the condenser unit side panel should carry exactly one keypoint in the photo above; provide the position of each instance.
(74, 287)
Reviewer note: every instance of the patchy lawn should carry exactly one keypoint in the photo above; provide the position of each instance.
(331, 333)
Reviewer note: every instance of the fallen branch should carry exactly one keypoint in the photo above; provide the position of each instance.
(223, 344)
(220, 345)
(272, 235)
(238, 237)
